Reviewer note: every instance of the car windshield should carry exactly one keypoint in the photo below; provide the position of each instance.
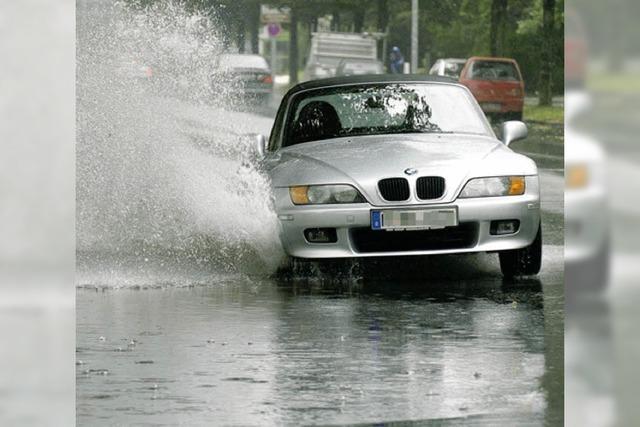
(493, 70)
(453, 68)
(378, 109)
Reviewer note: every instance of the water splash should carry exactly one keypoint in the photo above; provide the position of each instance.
(162, 174)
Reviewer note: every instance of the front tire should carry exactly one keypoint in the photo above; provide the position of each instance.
(523, 262)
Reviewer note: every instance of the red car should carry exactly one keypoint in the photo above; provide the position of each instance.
(496, 84)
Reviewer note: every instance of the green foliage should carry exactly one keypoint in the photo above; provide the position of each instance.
(549, 115)
(448, 28)
(460, 29)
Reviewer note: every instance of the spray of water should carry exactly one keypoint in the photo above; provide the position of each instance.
(163, 175)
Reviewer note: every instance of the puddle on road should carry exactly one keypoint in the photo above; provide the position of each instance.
(306, 351)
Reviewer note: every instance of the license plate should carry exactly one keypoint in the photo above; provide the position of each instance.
(491, 107)
(415, 219)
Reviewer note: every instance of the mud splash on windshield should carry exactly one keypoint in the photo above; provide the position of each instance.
(164, 177)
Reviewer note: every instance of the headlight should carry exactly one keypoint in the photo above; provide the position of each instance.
(577, 176)
(495, 186)
(324, 194)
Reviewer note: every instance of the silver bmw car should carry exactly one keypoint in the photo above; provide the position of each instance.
(378, 166)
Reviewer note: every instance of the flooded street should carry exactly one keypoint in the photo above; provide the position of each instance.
(239, 350)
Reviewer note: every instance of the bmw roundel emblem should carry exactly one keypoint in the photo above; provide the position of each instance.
(411, 171)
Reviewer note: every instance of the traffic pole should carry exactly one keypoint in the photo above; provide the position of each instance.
(274, 57)
(414, 36)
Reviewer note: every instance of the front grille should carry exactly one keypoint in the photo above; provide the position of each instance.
(394, 189)
(430, 187)
(366, 240)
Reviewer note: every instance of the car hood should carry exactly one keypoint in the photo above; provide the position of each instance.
(362, 161)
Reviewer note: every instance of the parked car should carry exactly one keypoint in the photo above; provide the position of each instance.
(448, 67)
(378, 166)
(358, 67)
(247, 75)
(497, 85)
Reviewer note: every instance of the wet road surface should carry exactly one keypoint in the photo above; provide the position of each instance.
(244, 351)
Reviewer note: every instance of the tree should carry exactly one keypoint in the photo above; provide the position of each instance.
(546, 63)
(382, 12)
(358, 20)
(498, 27)
(253, 20)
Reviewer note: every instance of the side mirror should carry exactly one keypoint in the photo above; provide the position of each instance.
(513, 131)
(258, 144)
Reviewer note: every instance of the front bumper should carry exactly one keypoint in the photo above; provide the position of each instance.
(501, 105)
(350, 220)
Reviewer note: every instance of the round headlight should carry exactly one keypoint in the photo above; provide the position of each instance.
(345, 194)
(319, 194)
(494, 186)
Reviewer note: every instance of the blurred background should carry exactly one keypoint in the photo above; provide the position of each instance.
(37, 195)
(601, 215)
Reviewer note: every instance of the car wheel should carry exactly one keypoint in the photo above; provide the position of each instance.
(523, 262)
(516, 115)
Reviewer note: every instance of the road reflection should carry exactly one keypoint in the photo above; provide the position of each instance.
(405, 349)
(455, 343)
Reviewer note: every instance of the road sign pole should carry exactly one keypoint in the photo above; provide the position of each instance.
(414, 36)
(273, 29)
(274, 57)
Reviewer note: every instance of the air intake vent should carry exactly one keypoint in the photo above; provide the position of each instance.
(394, 189)
(430, 187)
(366, 240)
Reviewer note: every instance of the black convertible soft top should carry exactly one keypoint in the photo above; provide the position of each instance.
(372, 78)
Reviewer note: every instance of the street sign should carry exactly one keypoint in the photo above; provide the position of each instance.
(273, 29)
(274, 15)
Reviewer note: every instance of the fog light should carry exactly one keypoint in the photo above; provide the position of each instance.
(509, 226)
(321, 235)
